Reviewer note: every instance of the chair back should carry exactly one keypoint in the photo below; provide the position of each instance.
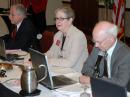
(46, 41)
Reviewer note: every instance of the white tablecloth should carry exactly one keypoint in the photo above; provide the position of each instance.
(12, 81)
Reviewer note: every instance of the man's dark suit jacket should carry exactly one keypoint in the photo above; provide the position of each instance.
(120, 65)
(24, 36)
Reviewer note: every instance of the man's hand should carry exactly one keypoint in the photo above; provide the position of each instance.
(84, 79)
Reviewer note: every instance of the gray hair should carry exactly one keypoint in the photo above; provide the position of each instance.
(20, 9)
(67, 10)
(113, 31)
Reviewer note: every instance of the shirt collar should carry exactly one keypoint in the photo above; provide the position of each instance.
(110, 51)
(18, 25)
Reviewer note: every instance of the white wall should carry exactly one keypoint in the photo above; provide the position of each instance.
(127, 3)
(4, 3)
(51, 6)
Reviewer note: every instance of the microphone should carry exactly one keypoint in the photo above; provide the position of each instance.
(96, 67)
(100, 56)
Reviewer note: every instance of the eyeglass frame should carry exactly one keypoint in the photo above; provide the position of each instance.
(99, 42)
(61, 19)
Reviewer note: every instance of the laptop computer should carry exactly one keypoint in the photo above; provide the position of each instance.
(3, 55)
(101, 88)
(51, 82)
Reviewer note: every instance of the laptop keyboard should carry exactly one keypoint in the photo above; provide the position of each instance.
(11, 57)
(62, 80)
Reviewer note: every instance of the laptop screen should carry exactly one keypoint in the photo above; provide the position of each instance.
(101, 88)
(2, 48)
(7, 57)
(51, 82)
(37, 59)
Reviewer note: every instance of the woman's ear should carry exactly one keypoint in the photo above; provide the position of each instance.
(71, 19)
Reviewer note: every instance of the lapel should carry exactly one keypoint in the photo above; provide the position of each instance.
(69, 38)
(102, 67)
(114, 58)
(60, 38)
(20, 29)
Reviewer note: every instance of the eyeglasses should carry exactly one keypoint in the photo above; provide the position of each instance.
(11, 14)
(97, 42)
(60, 19)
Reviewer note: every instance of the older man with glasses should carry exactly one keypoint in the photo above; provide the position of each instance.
(22, 31)
(69, 48)
(118, 57)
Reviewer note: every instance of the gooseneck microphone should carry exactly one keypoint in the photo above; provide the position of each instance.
(96, 72)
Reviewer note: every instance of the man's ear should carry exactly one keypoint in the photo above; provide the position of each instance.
(111, 39)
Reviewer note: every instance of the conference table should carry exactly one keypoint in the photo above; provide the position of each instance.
(12, 81)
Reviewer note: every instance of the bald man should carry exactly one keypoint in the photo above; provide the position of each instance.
(118, 56)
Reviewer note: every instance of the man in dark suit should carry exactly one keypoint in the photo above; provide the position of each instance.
(22, 35)
(118, 56)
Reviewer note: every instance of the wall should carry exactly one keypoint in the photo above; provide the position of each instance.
(127, 3)
(4, 3)
(51, 6)
(127, 19)
(127, 23)
(102, 3)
